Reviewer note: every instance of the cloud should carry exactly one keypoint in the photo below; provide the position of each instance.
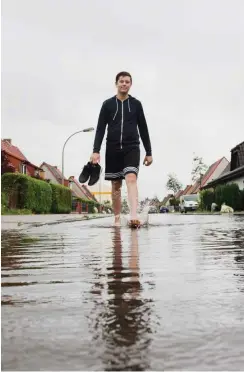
(60, 57)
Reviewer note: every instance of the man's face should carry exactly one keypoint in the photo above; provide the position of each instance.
(123, 84)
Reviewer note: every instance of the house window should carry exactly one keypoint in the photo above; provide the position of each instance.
(23, 168)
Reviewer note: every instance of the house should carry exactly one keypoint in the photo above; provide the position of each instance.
(233, 172)
(13, 160)
(178, 194)
(75, 186)
(213, 172)
(53, 174)
(80, 190)
(186, 190)
(88, 193)
(166, 200)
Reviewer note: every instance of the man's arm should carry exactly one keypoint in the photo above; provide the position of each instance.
(143, 129)
(101, 127)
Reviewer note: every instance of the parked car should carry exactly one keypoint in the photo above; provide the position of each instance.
(164, 209)
(153, 209)
(189, 203)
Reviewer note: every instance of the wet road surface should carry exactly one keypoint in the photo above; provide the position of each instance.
(88, 296)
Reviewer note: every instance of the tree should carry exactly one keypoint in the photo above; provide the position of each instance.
(199, 168)
(173, 184)
(174, 202)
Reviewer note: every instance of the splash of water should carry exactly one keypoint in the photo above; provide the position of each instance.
(142, 214)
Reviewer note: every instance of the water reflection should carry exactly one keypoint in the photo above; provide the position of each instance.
(227, 246)
(167, 297)
(125, 316)
(23, 257)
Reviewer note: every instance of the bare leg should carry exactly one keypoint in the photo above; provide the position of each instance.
(116, 199)
(131, 182)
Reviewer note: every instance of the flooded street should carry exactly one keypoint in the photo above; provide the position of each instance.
(88, 296)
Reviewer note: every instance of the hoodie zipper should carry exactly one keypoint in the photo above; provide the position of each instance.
(122, 124)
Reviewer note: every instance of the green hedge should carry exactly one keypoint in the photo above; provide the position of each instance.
(4, 202)
(30, 193)
(35, 195)
(229, 194)
(61, 199)
(207, 197)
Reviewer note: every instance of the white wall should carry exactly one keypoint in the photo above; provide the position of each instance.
(239, 181)
(49, 175)
(220, 168)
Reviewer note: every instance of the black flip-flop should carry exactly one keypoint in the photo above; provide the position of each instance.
(95, 174)
(86, 173)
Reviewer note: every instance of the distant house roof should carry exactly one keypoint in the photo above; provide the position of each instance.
(185, 191)
(178, 194)
(210, 171)
(55, 172)
(166, 198)
(226, 170)
(228, 176)
(88, 193)
(237, 156)
(14, 151)
(194, 189)
(81, 193)
(239, 146)
(206, 177)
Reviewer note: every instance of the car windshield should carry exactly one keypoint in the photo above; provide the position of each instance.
(190, 198)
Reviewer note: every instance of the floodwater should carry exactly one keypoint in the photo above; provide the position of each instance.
(88, 296)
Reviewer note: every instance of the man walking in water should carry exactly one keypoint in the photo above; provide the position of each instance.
(124, 116)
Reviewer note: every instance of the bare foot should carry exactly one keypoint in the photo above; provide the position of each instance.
(135, 223)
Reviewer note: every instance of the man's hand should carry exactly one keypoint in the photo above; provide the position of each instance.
(95, 158)
(148, 160)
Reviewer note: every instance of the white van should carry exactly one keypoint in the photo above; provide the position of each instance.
(189, 203)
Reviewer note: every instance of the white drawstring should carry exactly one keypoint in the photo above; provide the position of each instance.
(129, 104)
(116, 109)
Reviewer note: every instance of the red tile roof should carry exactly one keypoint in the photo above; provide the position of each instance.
(210, 171)
(194, 188)
(178, 194)
(14, 151)
(206, 176)
(188, 187)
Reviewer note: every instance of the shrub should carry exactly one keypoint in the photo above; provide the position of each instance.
(230, 195)
(4, 202)
(174, 202)
(61, 199)
(207, 197)
(242, 200)
(27, 193)
(90, 203)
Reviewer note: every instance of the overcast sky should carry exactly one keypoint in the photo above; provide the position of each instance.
(60, 58)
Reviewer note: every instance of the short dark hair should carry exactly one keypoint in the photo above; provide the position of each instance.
(122, 73)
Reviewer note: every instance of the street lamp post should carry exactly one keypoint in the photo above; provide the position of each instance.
(79, 131)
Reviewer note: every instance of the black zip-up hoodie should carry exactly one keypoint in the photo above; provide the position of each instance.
(123, 118)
